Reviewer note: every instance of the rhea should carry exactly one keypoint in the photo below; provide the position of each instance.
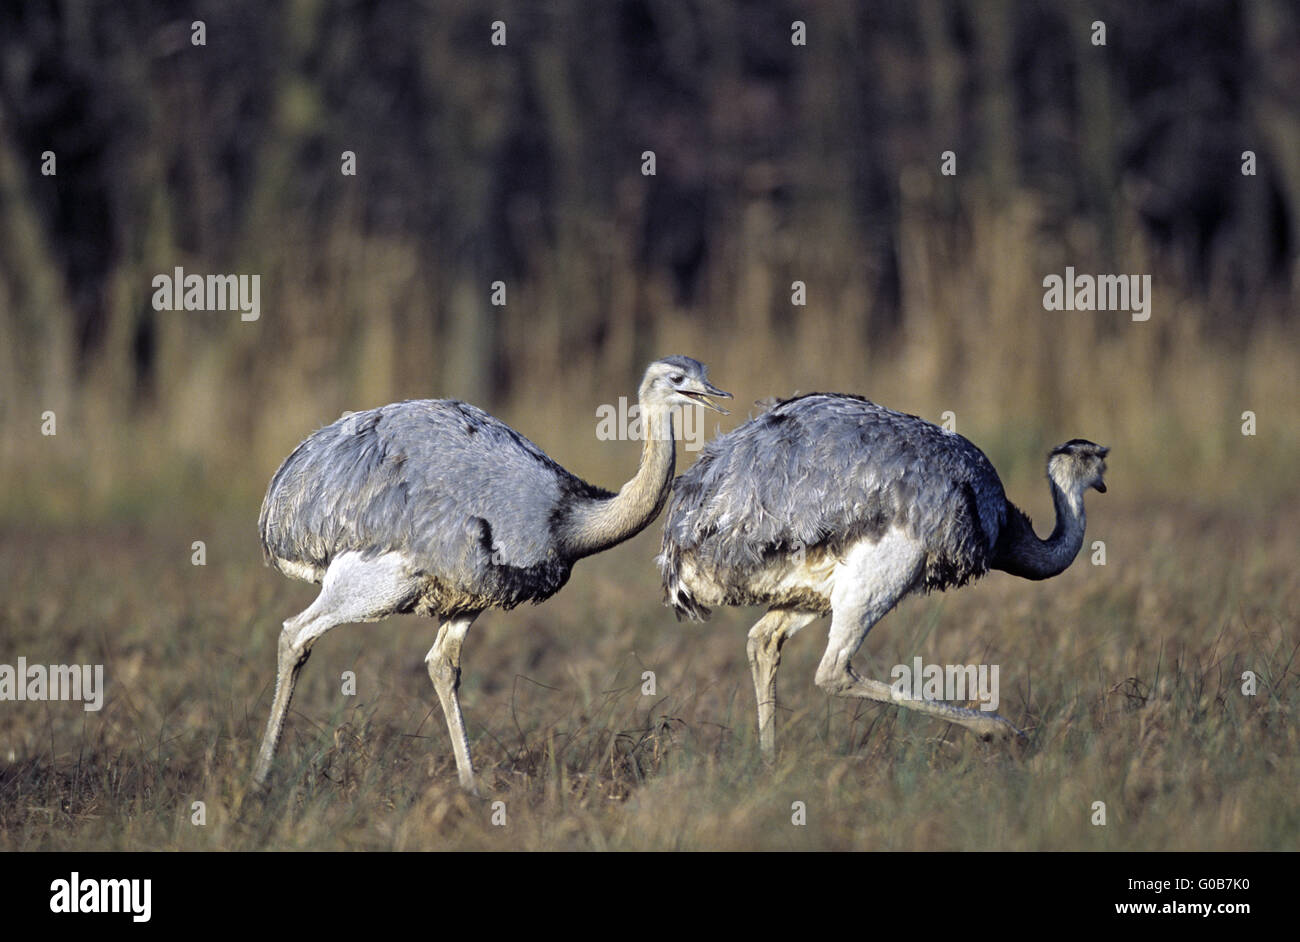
(435, 507)
(829, 504)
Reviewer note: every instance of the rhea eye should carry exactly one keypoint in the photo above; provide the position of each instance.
(676, 378)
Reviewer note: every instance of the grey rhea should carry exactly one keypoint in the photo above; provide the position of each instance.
(831, 504)
(435, 507)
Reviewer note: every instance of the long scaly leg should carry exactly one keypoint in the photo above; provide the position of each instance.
(868, 585)
(443, 661)
(766, 639)
(354, 589)
(290, 659)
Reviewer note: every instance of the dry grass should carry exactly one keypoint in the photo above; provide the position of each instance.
(1129, 675)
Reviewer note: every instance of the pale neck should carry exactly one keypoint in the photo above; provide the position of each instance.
(595, 525)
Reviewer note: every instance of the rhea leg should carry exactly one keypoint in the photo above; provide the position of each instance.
(292, 655)
(867, 586)
(766, 639)
(443, 661)
(847, 683)
(354, 590)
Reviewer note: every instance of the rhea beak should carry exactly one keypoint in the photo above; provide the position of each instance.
(701, 396)
(1101, 487)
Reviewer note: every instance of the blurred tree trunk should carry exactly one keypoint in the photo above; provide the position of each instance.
(945, 73)
(1097, 135)
(468, 354)
(1274, 29)
(37, 348)
(994, 32)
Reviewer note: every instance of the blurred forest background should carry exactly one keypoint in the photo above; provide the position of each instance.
(522, 163)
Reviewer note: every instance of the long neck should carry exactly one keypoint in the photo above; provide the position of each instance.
(595, 525)
(1020, 552)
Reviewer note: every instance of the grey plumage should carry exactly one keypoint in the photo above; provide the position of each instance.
(831, 504)
(444, 483)
(435, 507)
(820, 472)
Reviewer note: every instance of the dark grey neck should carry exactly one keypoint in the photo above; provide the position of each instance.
(1020, 552)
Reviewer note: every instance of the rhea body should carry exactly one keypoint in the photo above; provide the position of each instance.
(437, 508)
(829, 504)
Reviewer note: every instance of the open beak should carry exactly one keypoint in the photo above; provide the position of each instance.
(702, 395)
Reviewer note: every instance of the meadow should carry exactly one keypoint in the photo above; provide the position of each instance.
(1127, 675)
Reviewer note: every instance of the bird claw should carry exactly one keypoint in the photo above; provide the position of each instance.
(1002, 730)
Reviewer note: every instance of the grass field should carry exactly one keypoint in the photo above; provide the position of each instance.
(1128, 676)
